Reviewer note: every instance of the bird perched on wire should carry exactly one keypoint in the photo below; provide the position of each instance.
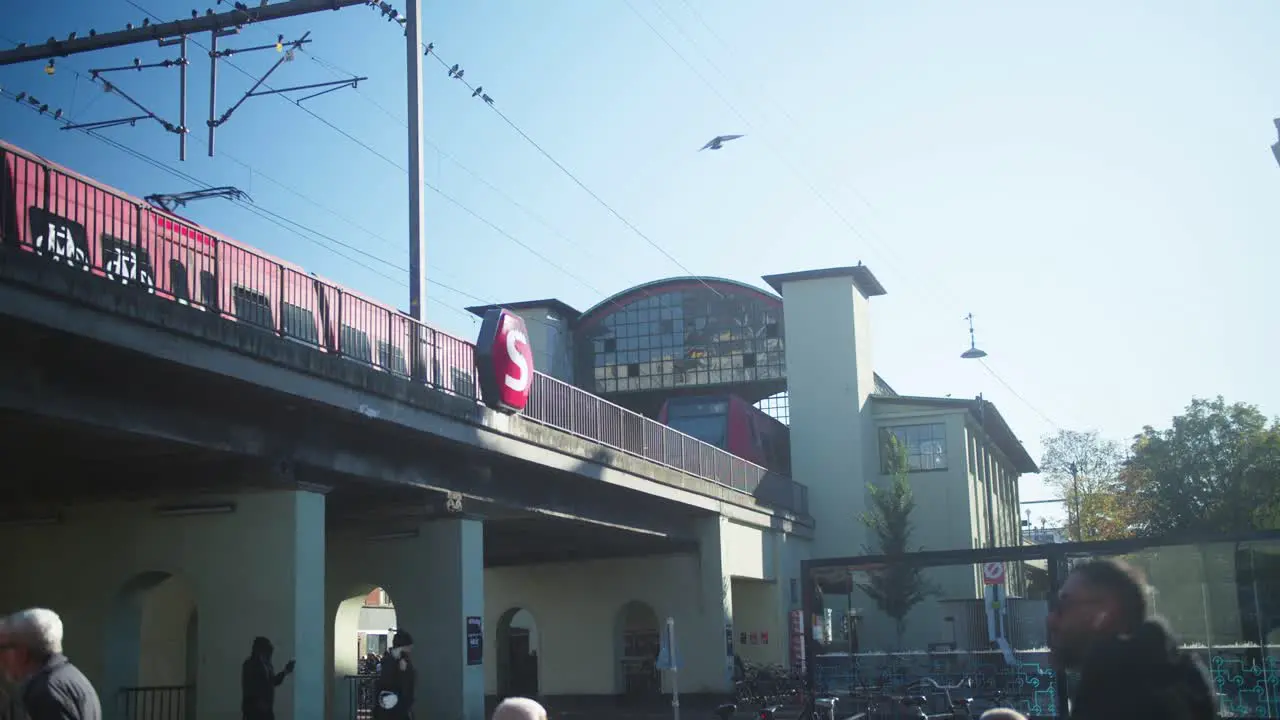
(718, 142)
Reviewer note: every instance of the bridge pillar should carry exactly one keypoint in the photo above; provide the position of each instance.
(439, 597)
(713, 637)
(263, 574)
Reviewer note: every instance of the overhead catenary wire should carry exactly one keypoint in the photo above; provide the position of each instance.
(930, 288)
(431, 187)
(476, 91)
(435, 189)
(296, 228)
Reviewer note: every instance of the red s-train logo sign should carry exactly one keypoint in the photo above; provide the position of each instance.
(504, 361)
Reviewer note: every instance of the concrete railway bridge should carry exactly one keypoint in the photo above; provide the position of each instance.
(177, 482)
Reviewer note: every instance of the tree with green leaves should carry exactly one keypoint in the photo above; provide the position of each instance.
(1215, 469)
(1086, 470)
(895, 587)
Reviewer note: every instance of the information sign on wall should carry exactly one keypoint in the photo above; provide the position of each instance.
(475, 640)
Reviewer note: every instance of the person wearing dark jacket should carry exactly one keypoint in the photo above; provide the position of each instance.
(258, 681)
(31, 654)
(1130, 666)
(396, 680)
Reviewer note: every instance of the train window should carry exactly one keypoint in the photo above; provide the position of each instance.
(392, 358)
(252, 306)
(770, 455)
(463, 383)
(705, 420)
(178, 281)
(209, 289)
(354, 343)
(299, 323)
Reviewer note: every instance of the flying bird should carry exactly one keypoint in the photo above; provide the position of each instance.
(718, 142)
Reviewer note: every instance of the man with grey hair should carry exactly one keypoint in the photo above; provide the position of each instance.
(31, 654)
(518, 708)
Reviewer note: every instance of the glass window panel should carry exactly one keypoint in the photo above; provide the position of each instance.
(299, 323)
(925, 444)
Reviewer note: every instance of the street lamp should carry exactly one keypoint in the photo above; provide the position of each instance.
(973, 353)
(1275, 149)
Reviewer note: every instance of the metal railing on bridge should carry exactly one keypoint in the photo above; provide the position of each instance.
(160, 702)
(54, 213)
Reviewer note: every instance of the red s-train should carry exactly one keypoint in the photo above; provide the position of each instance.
(733, 424)
(65, 217)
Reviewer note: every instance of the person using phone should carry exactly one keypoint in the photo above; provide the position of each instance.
(258, 681)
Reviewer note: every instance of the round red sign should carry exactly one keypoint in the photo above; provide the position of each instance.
(504, 361)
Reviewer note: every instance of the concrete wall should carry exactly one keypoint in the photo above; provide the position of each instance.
(829, 378)
(141, 593)
(257, 571)
(577, 609)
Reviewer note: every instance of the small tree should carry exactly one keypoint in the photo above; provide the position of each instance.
(896, 587)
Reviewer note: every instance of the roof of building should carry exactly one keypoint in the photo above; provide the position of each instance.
(571, 314)
(985, 412)
(657, 286)
(861, 275)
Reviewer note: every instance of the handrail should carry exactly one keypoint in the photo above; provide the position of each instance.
(168, 256)
(658, 443)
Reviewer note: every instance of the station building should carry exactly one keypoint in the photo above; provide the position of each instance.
(800, 352)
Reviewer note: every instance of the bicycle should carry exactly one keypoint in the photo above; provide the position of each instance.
(964, 708)
(953, 705)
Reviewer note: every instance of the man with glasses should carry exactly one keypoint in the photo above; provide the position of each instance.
(1129, 665)
(31, 655)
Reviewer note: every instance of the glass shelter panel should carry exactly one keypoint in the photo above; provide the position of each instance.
(879, 632)
(684, 337)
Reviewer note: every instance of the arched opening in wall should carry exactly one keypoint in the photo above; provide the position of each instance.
(637, 637)
(363, 627)
(152, 648)
(518, 653)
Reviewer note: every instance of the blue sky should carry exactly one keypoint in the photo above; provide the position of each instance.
(1093, 183)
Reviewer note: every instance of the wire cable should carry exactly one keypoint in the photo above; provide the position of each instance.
(448, 198)
(930, 288)
(275, 218)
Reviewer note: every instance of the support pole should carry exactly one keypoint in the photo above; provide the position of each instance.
(1075, 501)
(182, 103)
(417, 208)
(213, 86)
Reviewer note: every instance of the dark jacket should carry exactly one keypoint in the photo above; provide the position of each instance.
(1143, 677)
(59, 691)
(398, 680)
(258, 681)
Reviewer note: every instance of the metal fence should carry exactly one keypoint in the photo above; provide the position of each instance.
(58, 215)
(361, 694)
(161, 702)
(1220, 597)
(573, 410)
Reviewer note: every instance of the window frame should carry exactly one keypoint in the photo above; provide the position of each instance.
(938, 433)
